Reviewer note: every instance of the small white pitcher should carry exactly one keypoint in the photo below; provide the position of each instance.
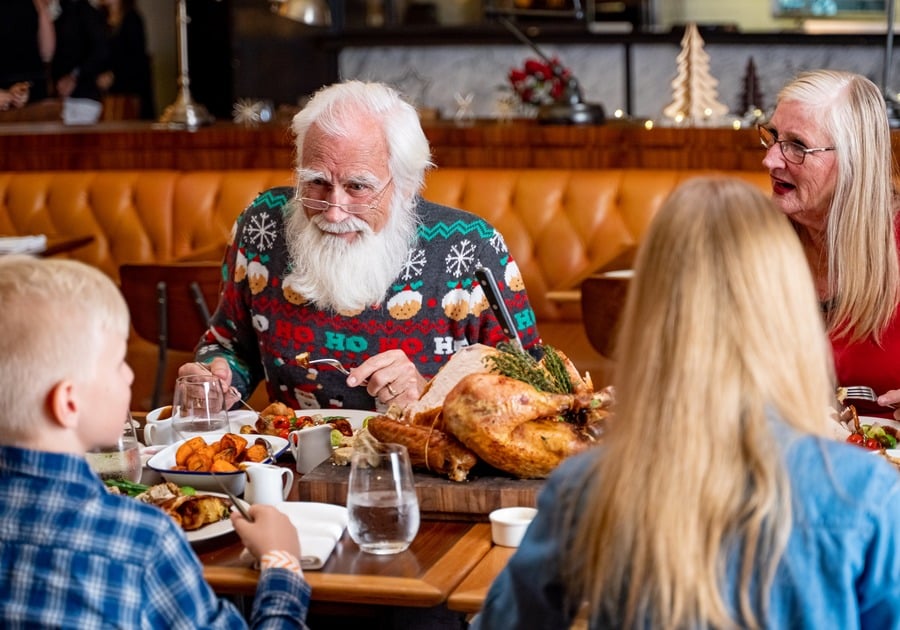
(267, 484)
(310, 446)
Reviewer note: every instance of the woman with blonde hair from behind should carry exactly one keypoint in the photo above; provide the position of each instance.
(717, 499)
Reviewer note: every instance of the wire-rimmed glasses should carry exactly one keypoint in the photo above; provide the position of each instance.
(792, 151)
(321, 205)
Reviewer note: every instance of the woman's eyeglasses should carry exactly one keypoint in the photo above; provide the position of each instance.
(793, 152)
(321, 205)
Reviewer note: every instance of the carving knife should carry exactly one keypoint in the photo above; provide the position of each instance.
(495, 299)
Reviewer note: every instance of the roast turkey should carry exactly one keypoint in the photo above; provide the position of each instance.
(516, 428)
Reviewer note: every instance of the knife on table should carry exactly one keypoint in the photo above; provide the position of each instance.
(495, 299)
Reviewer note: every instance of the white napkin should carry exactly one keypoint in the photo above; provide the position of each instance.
(319, 526)
(23, 244)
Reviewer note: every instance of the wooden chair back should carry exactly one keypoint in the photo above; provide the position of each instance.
(602, 301)
(170, 305)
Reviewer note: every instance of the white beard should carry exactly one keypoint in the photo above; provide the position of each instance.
(346, 277)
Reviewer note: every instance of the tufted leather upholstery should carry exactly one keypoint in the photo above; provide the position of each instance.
(561, 225)
(135, 216)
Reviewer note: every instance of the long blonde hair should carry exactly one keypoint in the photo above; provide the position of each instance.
(721, 327)
(861, 246)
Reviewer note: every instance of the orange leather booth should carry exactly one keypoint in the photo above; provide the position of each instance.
(561, 226)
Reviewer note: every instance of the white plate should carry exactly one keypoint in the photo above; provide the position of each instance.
(875, 421)
(241, 417)
(354, 416)
(164, 461)
(213, 530)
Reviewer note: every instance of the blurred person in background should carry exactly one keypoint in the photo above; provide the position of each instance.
(749, 514)
(27, 44)
(128, 70)
(82, 50)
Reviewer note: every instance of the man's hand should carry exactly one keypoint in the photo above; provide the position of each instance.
(218, 367)
(392, 378)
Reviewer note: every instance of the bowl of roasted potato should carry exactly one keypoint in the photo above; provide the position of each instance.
(209, 461)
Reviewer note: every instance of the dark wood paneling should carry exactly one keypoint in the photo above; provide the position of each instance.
(518, 144)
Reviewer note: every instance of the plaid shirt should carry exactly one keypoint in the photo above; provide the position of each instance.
(74, 556)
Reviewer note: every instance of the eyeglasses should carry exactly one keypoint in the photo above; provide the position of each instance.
(793, 152)
(320, 205)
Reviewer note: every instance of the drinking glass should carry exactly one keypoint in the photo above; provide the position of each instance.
(198, 406)
(121, 460)
(382, 507)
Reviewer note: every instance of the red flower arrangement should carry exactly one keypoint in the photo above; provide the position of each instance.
(537, 84)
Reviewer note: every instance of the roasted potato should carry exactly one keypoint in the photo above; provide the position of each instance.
(224, 455)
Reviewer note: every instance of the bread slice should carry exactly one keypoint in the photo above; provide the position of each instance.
(467, 360)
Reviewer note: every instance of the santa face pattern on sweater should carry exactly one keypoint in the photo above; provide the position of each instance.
(434, 307)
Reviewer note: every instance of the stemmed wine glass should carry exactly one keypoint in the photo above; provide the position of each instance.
(198, 406)
(121, 460)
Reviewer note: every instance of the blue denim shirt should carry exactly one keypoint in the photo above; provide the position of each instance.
(841, 567)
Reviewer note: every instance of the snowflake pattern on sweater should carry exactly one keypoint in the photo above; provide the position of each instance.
(434, 307)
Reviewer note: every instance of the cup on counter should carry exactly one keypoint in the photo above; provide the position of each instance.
(267, 484)
(382, 506)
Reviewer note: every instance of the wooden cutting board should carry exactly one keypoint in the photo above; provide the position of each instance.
(438, 496)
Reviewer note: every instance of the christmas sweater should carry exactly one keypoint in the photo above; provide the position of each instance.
(433, 308)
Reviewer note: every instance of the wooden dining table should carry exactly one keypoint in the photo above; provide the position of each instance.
(469, 595)
(441, 556)
(450, 563)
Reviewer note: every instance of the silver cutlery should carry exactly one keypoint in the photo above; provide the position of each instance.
(304, 361)
(332, 362)
(862, 393)
(234, 500)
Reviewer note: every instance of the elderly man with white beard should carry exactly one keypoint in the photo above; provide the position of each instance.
(355, 265)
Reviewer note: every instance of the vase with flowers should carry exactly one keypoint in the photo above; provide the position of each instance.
(540, 82)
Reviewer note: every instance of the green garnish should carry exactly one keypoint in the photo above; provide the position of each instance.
(518, 364)
(130, 488)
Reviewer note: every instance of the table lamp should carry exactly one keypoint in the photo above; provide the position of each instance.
(185, 112)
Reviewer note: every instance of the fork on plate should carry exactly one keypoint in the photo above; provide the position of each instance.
(862, 393)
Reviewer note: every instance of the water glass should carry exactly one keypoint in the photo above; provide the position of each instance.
(121, 460)
(198, 407)
(382, 507)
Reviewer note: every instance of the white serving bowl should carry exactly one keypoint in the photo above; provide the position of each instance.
(164, 461)
(508, 525)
